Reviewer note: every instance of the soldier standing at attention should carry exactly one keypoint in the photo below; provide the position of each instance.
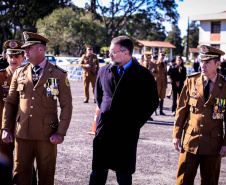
(161, 79)
(200, 115)
(15, 56)
(90, 65)
(3, 61)
(32, 97)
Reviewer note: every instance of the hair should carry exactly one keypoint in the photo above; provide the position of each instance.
(125, 42)
(155, 57)
(216, 59)
(173, 60)
(41, 45)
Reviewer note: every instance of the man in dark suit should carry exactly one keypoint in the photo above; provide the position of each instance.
(123, 89)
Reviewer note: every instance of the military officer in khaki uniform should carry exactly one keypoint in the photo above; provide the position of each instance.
(32, 98)
(15, 56)
(200, 115)
(161, 79)
(147, 59)
(90, 65)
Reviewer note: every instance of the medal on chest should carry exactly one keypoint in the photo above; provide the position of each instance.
(218, 108)
(51, 86)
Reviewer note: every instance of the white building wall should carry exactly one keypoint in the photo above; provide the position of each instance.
(204, 32)
(223, 37)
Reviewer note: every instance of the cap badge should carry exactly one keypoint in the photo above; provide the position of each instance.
(204, 49)
(13, 44)
(26, 36)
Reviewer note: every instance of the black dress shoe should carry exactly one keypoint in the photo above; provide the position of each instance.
(162, 113)
(86, 101)
(150, 119)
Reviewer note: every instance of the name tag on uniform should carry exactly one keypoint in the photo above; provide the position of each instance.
(219, 108)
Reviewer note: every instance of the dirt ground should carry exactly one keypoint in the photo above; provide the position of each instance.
(156, 157)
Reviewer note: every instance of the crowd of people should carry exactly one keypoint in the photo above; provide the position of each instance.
(31, 126)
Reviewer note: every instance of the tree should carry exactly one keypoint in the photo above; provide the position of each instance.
(193, 41)
(118, 13)
(69, 30)
(175, 39)
(20, 15)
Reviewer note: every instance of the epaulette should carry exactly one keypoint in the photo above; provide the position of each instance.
(64, 71)
(193, 74)
(222, 76)
(1, 70)
(22, 65)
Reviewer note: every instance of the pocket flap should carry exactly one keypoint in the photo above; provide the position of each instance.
(20, 87)
(192, 101)
(49, 120)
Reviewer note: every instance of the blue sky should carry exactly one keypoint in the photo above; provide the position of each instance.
(185, 9)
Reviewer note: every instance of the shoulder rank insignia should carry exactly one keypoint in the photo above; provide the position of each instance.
(64, 71)
(1, 70)
(23, 65)
(193, 74)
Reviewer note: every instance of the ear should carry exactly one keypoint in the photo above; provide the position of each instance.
(218, 64)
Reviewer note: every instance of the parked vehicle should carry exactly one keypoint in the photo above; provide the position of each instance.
(51, 58)
(66, 60)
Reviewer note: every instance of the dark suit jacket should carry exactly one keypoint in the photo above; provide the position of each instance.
(124, 108)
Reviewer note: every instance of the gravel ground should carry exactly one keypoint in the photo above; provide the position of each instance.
(156, 157)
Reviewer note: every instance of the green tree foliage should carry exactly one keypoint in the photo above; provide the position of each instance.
(193, 35)
(69, 30)
(142, 27)
(175, 39)
(118, 13)
(17, 16)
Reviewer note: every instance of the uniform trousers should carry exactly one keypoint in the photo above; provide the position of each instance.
(6, 163)
(100, 178)
(25, 152)
(188, 165)
(161, 90)
(86, 80)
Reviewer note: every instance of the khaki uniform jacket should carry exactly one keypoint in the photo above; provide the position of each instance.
(93, 61)
(5, 80)
(194, 117)
(161, 74)
(37, 113)
(153, 67)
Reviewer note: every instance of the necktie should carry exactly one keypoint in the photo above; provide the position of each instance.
(121, 69)
(207, 90)
(35, 74)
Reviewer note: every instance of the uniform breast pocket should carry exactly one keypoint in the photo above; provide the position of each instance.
(20, 89)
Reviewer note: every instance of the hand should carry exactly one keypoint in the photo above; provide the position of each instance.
(223, 151)
(7, 136)
(177, 144)
(57, 138)
(88, 66)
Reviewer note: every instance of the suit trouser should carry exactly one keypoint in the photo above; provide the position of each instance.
(188, 165)
(86, 80)
(100, 178)
(25, 153)
(6, 163)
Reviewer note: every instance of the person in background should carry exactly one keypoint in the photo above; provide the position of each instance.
(199, 118)
(34, 93)
(171, 74)
(161, 79)
(3, 61)
(178, 81)
(90, 65)
(196, 65)
(223, 67)
(122, 86)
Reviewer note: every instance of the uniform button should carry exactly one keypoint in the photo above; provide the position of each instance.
(201, 125)
(34, 89)
(30, 115)
(203, 116)
(32, 107)
(32, 98)
(204, 105)
(200, 135)
(4, 94)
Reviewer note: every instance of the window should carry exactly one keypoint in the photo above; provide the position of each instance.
(215, 27)
(217, 46)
